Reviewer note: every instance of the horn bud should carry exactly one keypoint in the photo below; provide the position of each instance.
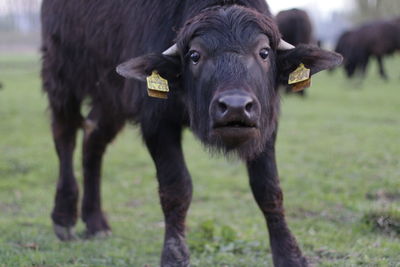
(172, 51)
(283, 45)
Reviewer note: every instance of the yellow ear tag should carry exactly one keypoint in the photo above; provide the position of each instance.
(157, 86)
(300, 78)
(297, 87)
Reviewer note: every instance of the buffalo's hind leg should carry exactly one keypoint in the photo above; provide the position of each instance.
(382, 71)
(175, 188)
(100, 129)
(268, 194)
(65, 124)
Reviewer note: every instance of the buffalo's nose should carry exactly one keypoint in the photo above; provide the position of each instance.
(235, 105)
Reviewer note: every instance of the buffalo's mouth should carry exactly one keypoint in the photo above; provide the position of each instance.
(236, 124)
(235, 132)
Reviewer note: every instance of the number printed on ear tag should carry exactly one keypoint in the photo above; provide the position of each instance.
(300, 74)
(157, 86)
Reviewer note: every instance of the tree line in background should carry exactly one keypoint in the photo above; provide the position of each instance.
(19, 15)
(366, 10)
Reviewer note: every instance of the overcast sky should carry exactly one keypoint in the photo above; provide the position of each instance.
(325, 7)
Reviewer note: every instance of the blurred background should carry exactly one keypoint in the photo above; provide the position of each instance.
(20, 25)
(338, 156)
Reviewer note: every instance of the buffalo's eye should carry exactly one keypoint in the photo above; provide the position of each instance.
(264, 53)
(194, 56)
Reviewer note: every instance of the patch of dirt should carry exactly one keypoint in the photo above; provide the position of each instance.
(383, 222)
(32, 246)
(336, 214)
(331, 254)
(303, 213)
(324, 255)
(384, 195)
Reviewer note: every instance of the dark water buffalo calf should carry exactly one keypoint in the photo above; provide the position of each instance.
(374, 39)
(296, 28)
(222, 73)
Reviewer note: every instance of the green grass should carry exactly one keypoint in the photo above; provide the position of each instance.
(338, 157)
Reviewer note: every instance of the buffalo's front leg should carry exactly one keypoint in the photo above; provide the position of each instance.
(65, 210)
(268, 194)
(175, 189)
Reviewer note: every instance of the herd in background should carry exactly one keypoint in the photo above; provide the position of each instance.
(374, 39)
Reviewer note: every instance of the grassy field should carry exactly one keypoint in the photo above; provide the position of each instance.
(338, 156)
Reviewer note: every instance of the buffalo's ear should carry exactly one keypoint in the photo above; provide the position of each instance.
(313, 57)
(139, 68)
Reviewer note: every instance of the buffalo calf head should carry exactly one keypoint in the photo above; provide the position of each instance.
(227, 63)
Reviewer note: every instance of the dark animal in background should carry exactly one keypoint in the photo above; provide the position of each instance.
(296, 28)
(222, 73)
(355, 59)
(374, 39)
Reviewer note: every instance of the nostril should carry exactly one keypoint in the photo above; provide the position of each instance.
(222, 107)
(249, 106)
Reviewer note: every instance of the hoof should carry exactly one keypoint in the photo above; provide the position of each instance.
(175, 253)
(96, 226)
(64, 233)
